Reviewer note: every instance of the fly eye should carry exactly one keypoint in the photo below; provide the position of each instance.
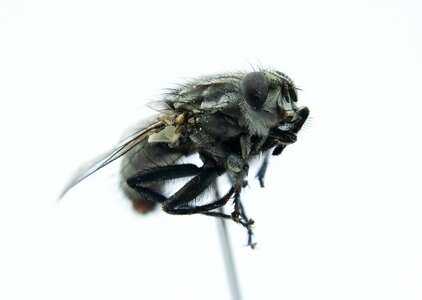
(255, 88)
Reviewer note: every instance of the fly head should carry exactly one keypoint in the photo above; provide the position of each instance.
(269, 109)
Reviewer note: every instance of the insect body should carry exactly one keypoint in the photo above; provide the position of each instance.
(228, 119)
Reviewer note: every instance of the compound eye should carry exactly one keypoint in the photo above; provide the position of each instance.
(255, 87)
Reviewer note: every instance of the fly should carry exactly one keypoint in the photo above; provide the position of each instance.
(228, 119)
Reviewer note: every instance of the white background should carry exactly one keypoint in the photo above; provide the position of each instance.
(341, 215)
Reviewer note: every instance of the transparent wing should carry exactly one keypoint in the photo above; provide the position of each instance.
(121, 149)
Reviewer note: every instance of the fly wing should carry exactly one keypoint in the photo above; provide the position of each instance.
(121, 149)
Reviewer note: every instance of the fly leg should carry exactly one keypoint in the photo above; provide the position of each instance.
(249, 223)
(244, 221)
(180, 202)
(239, 168)
(140, 181)
(262, 170)
(239, 216)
